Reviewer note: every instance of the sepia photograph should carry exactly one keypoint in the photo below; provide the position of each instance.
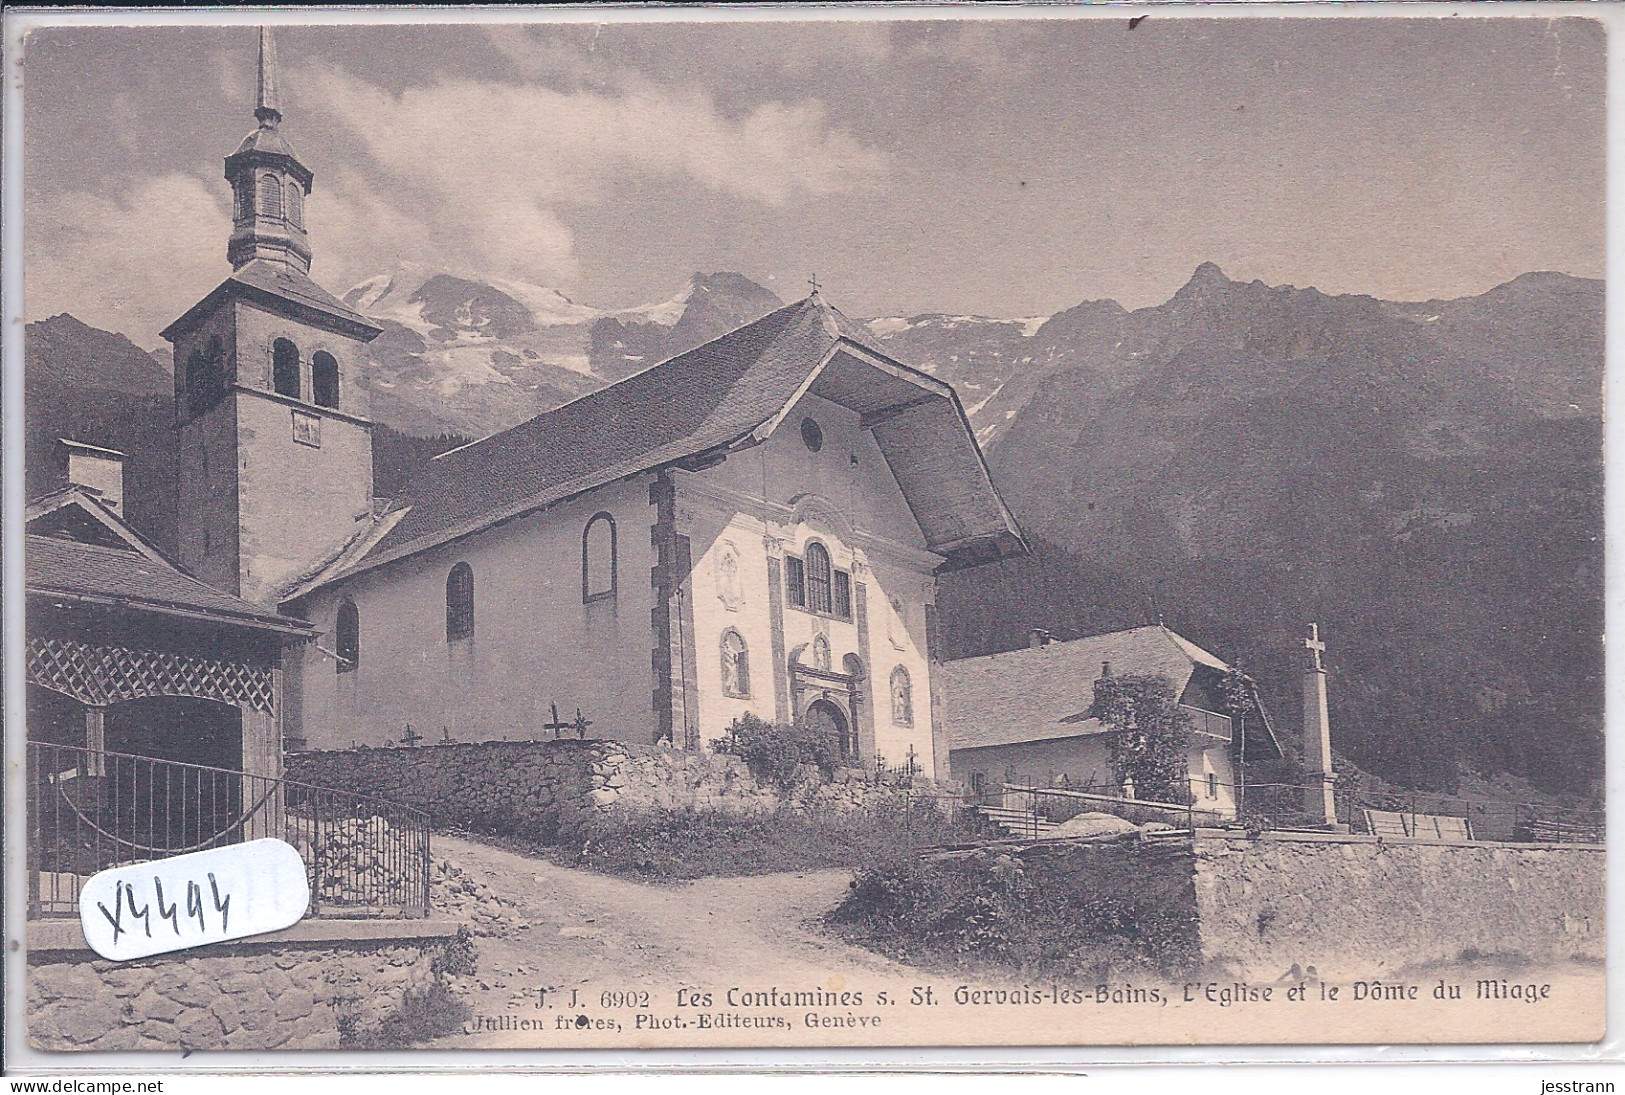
(607, 530)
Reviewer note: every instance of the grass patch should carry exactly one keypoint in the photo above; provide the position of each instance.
(457, 957)
(419, 1017)
(672, 845)
(1064, 910)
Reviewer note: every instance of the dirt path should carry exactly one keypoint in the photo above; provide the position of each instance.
(571, 930)
(592, 932)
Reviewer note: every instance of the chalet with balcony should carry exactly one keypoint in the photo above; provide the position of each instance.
(1021, 717)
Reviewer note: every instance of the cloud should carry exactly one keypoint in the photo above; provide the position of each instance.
(476, 177)
(496, 164)
(987, 51)
(741, 52)
(563, 52)
(130, 262)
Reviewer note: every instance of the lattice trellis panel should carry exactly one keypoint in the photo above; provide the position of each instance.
(103, 675)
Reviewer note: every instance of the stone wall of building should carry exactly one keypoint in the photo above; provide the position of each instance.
(230, 997)
(536, 644)
(1356, 904)
(550, 789)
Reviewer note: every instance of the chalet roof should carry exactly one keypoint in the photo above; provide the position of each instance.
(1042, 693)
(97, 450)
(119, 566)
(725, 395)
(280, 286)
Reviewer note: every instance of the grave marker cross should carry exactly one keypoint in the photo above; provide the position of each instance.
(558, 725)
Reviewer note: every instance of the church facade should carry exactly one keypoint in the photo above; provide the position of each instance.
(753, 526)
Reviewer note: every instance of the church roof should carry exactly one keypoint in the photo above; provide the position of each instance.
(78, 549)
(727, 394)
(1042, 693)
(280, 286)
(267, 145)
(267, 140)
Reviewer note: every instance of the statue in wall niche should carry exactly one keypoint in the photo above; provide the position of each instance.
(894, 623)
(729, 589)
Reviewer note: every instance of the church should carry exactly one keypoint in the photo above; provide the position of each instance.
(753, 526)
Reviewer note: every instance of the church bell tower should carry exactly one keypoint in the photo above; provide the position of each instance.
(274, 446)
(268, 183)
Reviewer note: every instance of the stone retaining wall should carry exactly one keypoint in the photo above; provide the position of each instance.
(294, 996)
(1362, 905)
(550, 789)
(1347, 905)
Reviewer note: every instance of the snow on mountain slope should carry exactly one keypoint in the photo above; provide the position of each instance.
(476, 355)
(994, 364)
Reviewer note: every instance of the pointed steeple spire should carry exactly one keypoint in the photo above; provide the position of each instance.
(268, 182)
(268, 110)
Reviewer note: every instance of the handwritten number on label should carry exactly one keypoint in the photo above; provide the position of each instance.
(257, 886)
(171, 914)
(118, 906)
(194, 904)
(145, 912)
(221, 907)
(124, 897)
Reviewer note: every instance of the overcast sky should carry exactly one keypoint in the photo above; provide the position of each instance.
(1011, 167)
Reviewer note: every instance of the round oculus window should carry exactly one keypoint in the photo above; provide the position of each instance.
(811, 435)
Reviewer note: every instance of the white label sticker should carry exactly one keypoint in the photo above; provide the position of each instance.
(194, 899)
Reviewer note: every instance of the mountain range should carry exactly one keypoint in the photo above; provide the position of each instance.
(475, 356)
(96, 386)
(1424, 480)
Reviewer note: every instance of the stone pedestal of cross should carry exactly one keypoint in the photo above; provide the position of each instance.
(1319, 795)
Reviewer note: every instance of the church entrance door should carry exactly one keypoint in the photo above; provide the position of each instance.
(824, 715)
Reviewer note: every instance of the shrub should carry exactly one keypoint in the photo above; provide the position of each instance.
(1081, 910)
(1151, 737)
(457, 956)
(419, 1017)
(666, 845)
(776, 752)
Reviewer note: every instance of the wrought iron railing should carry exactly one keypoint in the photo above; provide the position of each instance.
(1058, 805)
(904, 773)
(1210, 724)
(90, 810)
(1488, 819)
(1036, 807)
